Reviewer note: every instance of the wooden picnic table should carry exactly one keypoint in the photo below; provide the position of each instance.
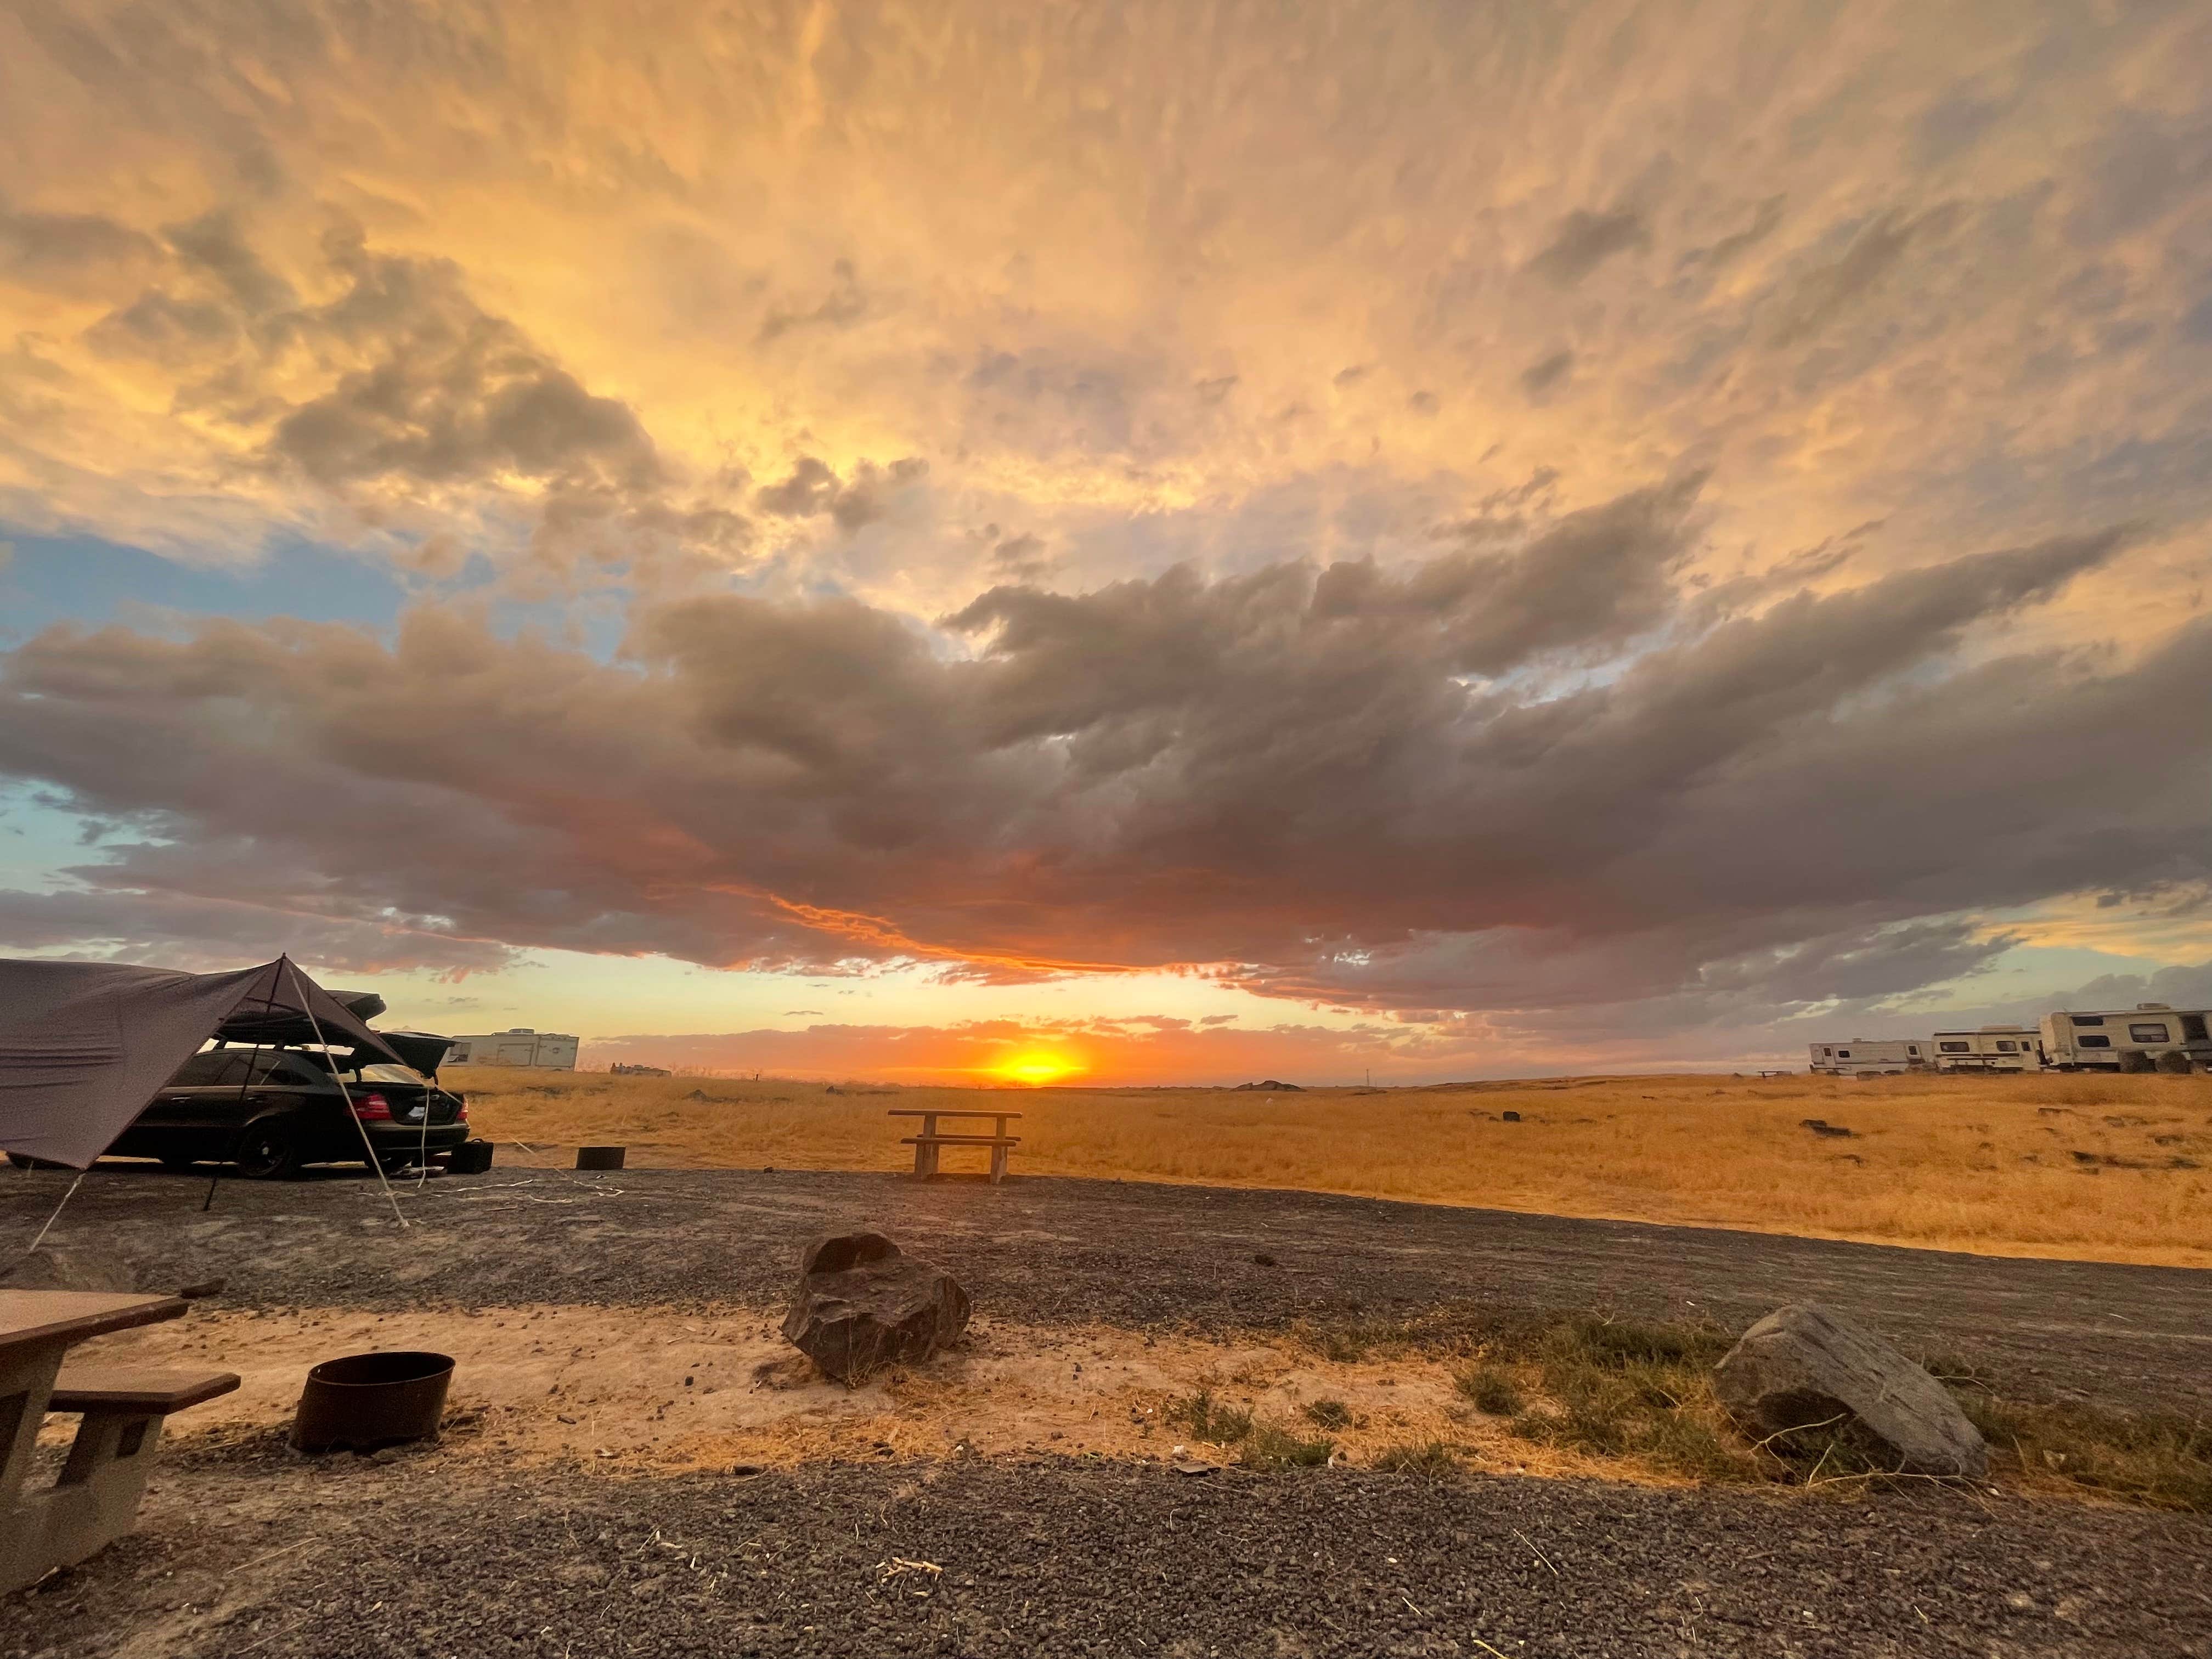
(928, 1143)
(97, 1498)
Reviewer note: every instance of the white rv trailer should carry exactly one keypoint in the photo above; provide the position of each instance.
(1870, 1055)
(520, 1047)
(2130, 1040)
(1990, 1049)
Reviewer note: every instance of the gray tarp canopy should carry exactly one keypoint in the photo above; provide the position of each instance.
(85, 1045)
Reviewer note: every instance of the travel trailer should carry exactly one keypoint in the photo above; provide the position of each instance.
(1989, 1049)
(520, 1047)
(2130, 1040)
(1870, 1055)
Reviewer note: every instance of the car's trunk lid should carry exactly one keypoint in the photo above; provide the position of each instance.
(407, 1102)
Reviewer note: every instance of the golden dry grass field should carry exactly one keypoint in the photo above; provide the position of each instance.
(2115, 1168)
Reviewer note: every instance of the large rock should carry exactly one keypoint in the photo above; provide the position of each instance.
(70, 1267)
(863, 1303)
(1805, 1365)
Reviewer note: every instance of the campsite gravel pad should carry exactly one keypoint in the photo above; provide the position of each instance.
(1063, 1557)
(1049, 1250)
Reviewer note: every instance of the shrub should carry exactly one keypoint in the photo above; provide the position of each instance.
(1329, 1414)
(1272, 1449)
(1431, 1460)
(1208, 1419)
(1492, 1389)
(2153, 1457)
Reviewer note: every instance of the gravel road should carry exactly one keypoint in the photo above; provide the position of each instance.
(1049, 1249)
(245, 1550)
(1057, 1557)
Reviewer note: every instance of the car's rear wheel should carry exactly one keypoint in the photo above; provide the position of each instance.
(267, 1151)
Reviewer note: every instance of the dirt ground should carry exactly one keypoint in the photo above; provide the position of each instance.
(1051, 1251)
(635, 1466)
(643, 1388)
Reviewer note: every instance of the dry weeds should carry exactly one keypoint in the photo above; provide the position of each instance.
(2115, 1168)
(640, 1388)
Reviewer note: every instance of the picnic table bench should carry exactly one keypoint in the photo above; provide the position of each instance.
(930, 1142)
(96, 1499)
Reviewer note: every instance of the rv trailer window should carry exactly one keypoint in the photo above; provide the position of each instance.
(1956, 1048)
(1843, 1053)
(2088, 1019)
(2007, 1047)
(2147, 1033)
(2093, 1042)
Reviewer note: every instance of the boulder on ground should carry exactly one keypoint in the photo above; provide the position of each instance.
(1805, 1365)
(863, 1303)
(70, 1267)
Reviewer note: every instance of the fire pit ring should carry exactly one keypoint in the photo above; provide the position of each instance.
(367, 1401)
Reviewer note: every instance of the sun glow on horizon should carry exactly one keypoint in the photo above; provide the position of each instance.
(1035, 1066)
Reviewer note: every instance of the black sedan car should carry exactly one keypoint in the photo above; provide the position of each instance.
(269, 1110)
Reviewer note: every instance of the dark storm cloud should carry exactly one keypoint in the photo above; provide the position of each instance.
(1394, 788)
(450, 392)
(1765, 221)
(1825, 292)
(811, 489)
(843, 305)
(1584, 241)
(62, 249)
(424, 394)
(1546, 372)
(189, 932)
(215, 243)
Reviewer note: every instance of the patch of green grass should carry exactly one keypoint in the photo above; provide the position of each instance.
(1208, 1419)
(1338, 1345)
(1432, 1459)
(1492, 1390)
(2161, 1459)
(1630, 1344)
(1643, 1388)
(1328, 1414)
(1703, 1448)
(1461, 1333)
(1272, 1449)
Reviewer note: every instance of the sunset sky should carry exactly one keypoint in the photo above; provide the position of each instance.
(1171, 542)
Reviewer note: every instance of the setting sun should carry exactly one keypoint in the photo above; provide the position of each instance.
(1036, 1066)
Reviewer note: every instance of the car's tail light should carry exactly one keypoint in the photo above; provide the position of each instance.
(460, 1109)
(372, 1109)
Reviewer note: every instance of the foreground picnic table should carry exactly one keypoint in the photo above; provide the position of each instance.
(930, 1142)
(97, 1498)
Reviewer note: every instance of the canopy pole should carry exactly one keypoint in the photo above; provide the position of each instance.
(268, 1006)
(34, 1249)
(367, 1145)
